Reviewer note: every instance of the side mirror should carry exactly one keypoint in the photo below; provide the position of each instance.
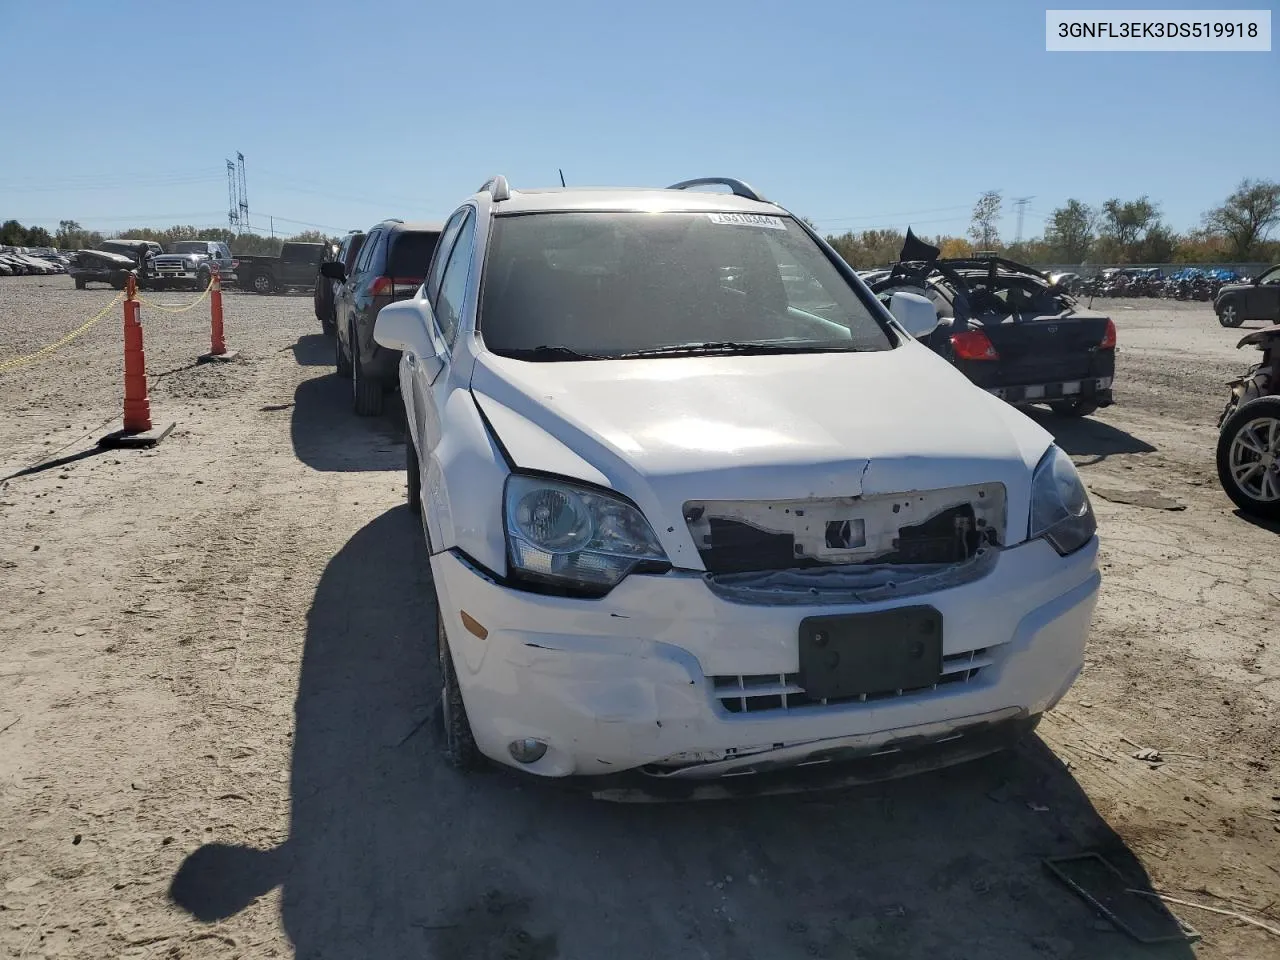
(403, 325)
(917, 314)
(334, 270)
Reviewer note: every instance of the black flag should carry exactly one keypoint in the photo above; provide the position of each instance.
(914, 249)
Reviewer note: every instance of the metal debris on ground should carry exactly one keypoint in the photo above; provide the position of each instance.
(1094, 879)
(1139, 498)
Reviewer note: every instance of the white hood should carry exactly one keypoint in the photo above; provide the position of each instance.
(668, 430)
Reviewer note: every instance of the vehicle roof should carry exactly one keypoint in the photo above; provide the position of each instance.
(568, 199)
(413, 226)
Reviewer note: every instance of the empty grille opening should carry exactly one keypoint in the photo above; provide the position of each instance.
(752, 693)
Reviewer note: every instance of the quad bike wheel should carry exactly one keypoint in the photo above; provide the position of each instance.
(1249, 457)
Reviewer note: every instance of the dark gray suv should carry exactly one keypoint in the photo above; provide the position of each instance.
(391, 266)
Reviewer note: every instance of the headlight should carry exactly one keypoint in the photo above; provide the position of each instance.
(576, 536)
(1060, 508)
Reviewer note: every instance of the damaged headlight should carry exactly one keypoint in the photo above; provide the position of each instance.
(1060, 508)
(572, 535)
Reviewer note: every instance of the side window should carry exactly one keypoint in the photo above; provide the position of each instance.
(366, 252)
(453, 285)
(444, 246)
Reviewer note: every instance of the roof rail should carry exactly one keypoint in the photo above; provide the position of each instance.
(497, 187)
(739, 188)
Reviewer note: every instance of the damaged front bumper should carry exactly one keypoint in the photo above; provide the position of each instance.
(666, 677)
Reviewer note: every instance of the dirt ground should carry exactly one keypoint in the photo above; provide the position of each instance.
(217, 727)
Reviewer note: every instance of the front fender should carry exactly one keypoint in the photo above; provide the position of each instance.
(464, 477)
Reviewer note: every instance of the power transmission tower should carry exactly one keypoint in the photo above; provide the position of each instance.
(1021, 204)
(233, 209)
(243, 191)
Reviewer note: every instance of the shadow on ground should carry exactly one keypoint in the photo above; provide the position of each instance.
(1089, 436)
(391, 854)
(327, 434)
(314, 350)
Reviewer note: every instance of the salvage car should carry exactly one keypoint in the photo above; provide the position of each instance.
(326, 291)
(112, 261)
(1010, 330)
(1256, 299)
(684, 532)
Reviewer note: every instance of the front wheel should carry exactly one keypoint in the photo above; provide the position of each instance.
(263, 283)
(1229, 315)
(1249, 457)
(79, 283)
(460, 750)
(340, 359)
(1073, 408)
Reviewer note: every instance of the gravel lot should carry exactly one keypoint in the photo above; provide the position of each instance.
(217, 735)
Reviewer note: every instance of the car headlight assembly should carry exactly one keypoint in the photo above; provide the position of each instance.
(574, 536)
(1060, 508)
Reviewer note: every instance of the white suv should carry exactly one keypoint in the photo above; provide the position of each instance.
(697, 505)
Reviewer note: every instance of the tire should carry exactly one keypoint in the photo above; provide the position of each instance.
(1073, 408)
(1252, 481)
(79, 283)
(328, 325)
(203, 279)
(413, 472)
(366, 392)
(262, 283)
(459, 745)
(1229, 314)
(117, 282)
(340, 359)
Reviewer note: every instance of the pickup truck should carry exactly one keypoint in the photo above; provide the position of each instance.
(296, 267)
(189, 263)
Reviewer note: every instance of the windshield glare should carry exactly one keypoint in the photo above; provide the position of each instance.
(610, 284)
(189, 246)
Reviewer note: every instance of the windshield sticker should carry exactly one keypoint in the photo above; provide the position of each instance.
(749, 220)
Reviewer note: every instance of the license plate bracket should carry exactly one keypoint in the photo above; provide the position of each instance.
(849, 655)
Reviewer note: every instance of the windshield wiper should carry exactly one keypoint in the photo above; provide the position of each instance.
(545, 353)
(733, 346)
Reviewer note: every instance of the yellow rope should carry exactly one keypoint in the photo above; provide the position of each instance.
(161, 307)
(16, 362)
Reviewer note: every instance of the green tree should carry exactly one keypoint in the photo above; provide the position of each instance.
(870, 248)
(1247, 216)
(1070, 231)
(1126, 224)
(985, 225)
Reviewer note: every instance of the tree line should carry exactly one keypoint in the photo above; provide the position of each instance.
(71, 236)
(1117, 232)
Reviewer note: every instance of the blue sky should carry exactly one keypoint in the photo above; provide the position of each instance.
(855, 114)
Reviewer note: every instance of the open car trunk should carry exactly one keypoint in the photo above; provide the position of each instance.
(1007, 328)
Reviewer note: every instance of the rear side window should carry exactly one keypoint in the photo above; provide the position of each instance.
(411, 253)
(369, 252)
(354, 246)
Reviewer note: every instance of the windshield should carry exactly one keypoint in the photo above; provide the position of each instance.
(189, 246)
(615, 284)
